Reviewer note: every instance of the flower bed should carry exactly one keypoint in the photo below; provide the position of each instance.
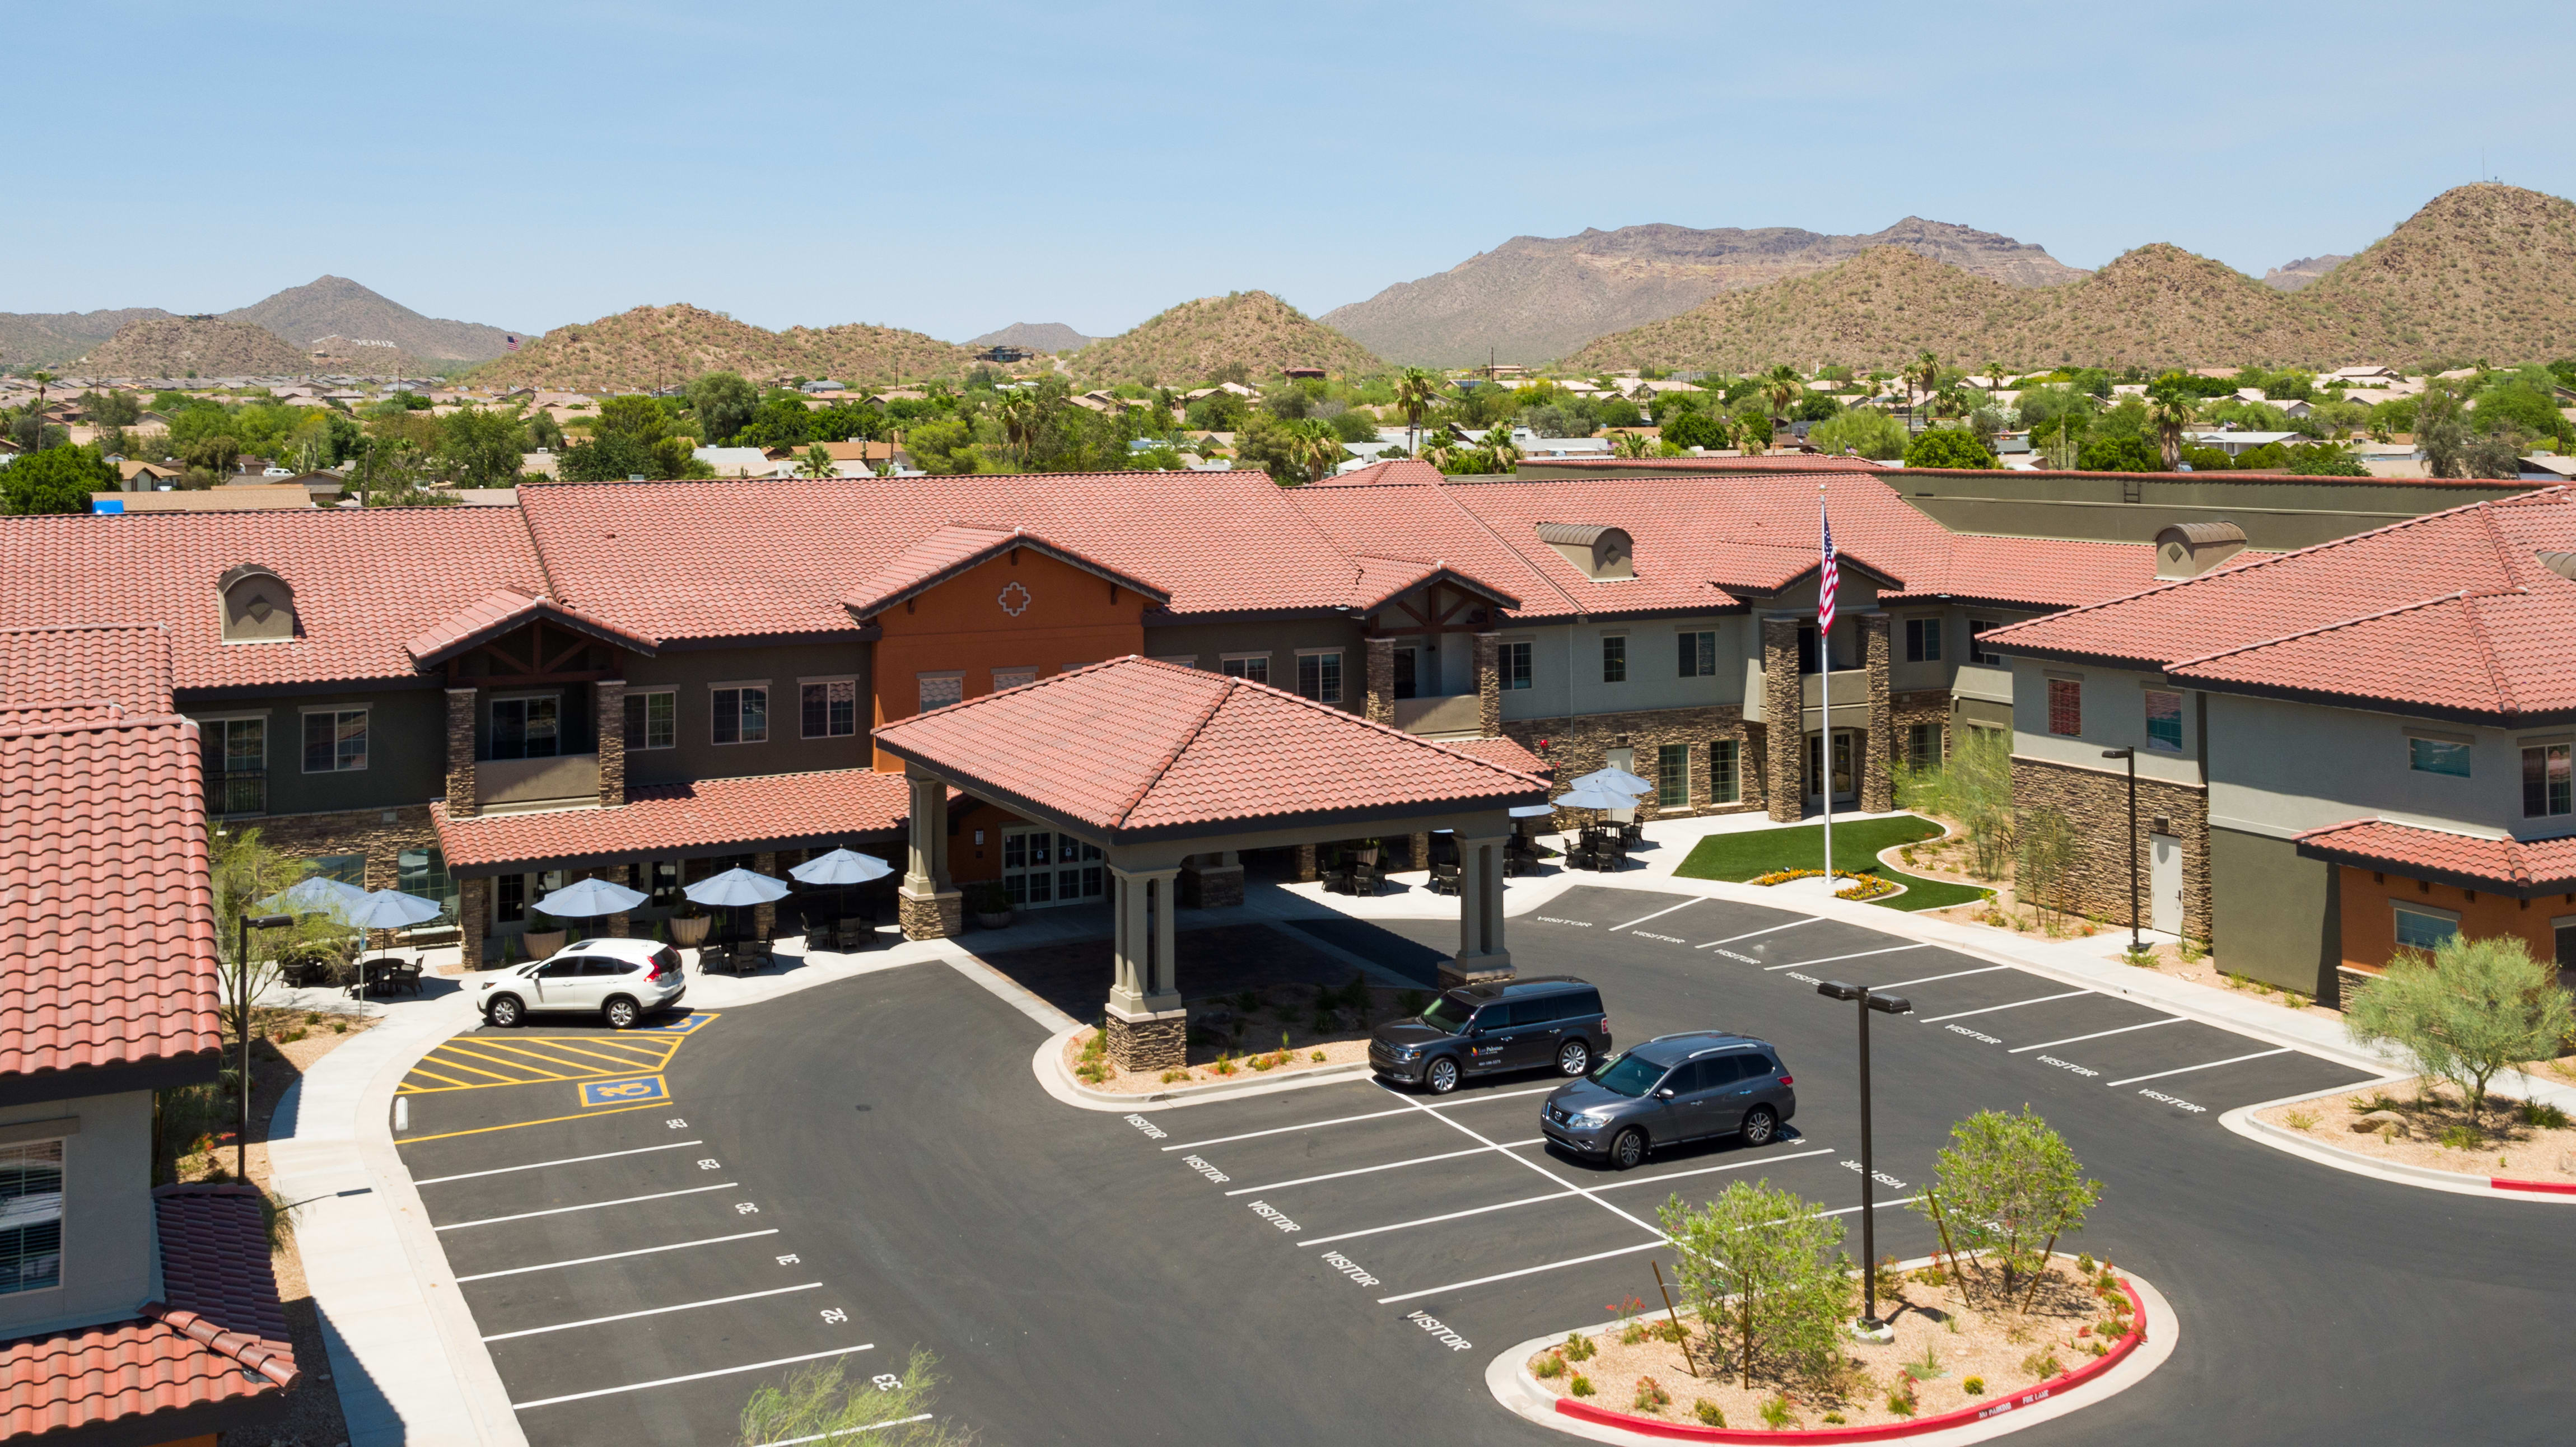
(1864, 886)
(1950, 1362)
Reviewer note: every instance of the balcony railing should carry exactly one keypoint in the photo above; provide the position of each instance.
(236, 791)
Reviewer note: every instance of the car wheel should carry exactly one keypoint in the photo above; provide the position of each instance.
(504, 1011)
(622, 1014)
(1760, 1125)
(1441, 1075)
(1573, 1058)
(1628, 1149)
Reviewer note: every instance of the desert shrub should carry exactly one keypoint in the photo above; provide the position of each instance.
(1709, 1413)
(1762, 1268)
(2008, 1187)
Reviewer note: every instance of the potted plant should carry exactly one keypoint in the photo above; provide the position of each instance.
(991, 905)
(545, 934)
(1365, 851)
(689, 925)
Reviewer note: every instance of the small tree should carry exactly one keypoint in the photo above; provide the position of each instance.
(2474, 1008)
(1761, 1268)
(818, 1403)
(2007, 1188)
(1974, 787)
(2045, 853)
(1948, 447)
(245, 870)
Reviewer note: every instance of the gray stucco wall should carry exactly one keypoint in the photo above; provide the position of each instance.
(108, 1230)
(2279, 768)
(406, 750)
(2274, 916)
(691, 675)
(1563, 684)
(1203, 645)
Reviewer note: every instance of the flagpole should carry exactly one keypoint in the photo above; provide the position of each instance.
(1825, 672)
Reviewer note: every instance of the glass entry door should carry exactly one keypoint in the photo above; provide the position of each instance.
(1041, 868)
(1846, 744)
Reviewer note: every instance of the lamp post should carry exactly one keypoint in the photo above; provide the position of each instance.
(1885, 1005)
(241, 992)
(2136, 943)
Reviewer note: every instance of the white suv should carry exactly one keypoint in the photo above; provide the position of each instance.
(622, 980)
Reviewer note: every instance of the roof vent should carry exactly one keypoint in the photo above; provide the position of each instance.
(2563, 564)
(257, 604)
(2187, 550)
(1601, 552)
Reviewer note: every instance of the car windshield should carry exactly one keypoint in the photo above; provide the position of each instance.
(1447, 1015)
(1627, 1075)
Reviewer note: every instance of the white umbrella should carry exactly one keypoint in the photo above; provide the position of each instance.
(735, 888)
(1593, 796)
(841, 866)
(317, 894)
(587, 898)
(1619, 779)
(393, 909)
(1533, 811)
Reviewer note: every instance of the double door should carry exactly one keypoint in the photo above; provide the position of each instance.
(1042, 868)
(1846, 754)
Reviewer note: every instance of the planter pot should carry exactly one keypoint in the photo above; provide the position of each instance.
(1365, 856)
(1000, 919)
(688, 934)
(541, 943)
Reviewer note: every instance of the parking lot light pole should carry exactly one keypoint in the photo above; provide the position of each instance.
(1885, 1005)
(241, 963)
(2136, 943)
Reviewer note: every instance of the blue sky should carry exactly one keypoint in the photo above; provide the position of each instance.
(960, 166)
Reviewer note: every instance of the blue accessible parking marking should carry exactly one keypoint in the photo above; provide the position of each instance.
(682, 1026)
(635, 1090)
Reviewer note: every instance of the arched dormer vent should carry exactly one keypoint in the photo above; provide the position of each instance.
(258, 605)
(1601, 552)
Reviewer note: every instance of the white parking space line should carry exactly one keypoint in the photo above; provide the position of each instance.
(1658, 914)
(1552, 1177)
(1436, 1220)
(2015, 1005)
(592, 1206)
(1832, 959)
(850, 1431)
(1772, 930)
(1712, 1170)
(1525, 1271)
(2098, 1034)
(1354, 1119)
(691, 1377)
(2212, 1065)
(1387, 1166)
(651, 1311)
(1953, 975)
(566, 1161)
(616, 1255)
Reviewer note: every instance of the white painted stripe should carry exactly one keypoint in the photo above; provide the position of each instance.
(1524, 1271)
(2015, 1005)
(1658, 914)
(1832, 959)
(850, 1431)
(1953, 975)
(692, 1377)
(593, 1206)
(1436, 1220)
(2212, 1065)
(1388, 1166)
(1774, 929)
(566, 1161)
(650, 1311)
(616, 1255)
(1712, 1170)
(2098, 1034)
(1372, 1115)
(1552, 1177)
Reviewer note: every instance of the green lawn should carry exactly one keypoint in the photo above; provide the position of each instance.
(1739, 857)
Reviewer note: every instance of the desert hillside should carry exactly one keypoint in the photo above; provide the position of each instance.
(331, 306)
(660, 345)
(1035, 336)
(1191, 341)
(190, 347)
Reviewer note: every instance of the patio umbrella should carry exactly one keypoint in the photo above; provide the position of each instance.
(393, 909)
(1533, 811)
(1593, 796)
(588, 898)
(735, 888)
(317, 894)
(840, 869)
(1619, 779)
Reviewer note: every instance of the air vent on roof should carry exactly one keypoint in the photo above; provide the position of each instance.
(1601, 552)
(2187, 550)
(2563, 564)
(257, 604)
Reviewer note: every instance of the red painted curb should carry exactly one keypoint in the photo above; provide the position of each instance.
(2027, 1396)
(2551, 1188)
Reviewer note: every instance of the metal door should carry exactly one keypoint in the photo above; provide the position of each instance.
(2164, 887)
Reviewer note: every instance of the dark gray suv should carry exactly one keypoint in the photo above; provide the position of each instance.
(1546, 1022)
(1673, 1088)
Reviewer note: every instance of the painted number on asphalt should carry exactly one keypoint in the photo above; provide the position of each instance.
(745, 1208)
(709, 1166)
(1270, 1213)
(1204, 1169)
(886, 1382)
(1804, 979)
(1667, 939)
(1151, 1130)
(1437, 1328)
(1748, 959)
(834, 1316)
(676, 1123)
(1577, 923)
(1349, 1268)
(787, 1260)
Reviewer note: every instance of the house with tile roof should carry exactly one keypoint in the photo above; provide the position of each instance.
(2342, 751)
(127, 1314)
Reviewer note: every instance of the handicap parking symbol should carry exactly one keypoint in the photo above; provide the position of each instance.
(636, 1090)
(684, 1025)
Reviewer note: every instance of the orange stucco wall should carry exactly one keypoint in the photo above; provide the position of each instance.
(1067, 617)
(2370, 919)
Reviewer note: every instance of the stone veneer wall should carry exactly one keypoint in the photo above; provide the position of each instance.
(1784, 729)
(1152, 1044)
(1380, 699)
(378, 834)
(1878, 737)
(1579, 745)
(2096, 805)
(1923, 706)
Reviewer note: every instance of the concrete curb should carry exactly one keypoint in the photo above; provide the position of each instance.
(2242, 1121)
(1048, 1065)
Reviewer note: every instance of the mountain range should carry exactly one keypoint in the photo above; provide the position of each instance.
(1186, 344)
(652, 346)
(1035, 337)
(299, 316)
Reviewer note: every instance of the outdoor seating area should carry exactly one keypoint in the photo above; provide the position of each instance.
(1602, 847)
(1610, 796)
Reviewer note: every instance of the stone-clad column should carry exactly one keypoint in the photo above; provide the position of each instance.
(1785, 721)
(473, 907)
(1489, 685)
(1381, 681)
(764, 917)
(1147, 1026)
(612, 742)
(930, 909)
(462, 800)
(1878, 779)
(617, 874)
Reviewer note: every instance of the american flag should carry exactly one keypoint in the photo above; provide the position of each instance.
(1832, 575)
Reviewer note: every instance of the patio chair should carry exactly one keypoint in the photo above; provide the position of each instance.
(1444, 877)
(400, 975)
(715, 959)
(753, 956)
(1367, 876)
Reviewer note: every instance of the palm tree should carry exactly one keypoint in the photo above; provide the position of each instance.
(1317, 449)
(1780, 387)
(1500, 454)
(1636, 444)
(1416, 388)
(2170, 414)
(1019, 417)
(817, 462)
(1925, 371)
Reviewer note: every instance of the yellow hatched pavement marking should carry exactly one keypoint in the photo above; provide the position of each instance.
(556, 1056)
(451, 1084)
(451, 1050)
(498, 1078)
(653, 1051)
(647, 1054)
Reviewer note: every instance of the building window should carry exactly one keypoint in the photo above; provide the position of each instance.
(526, 728)
(1251, 667)
(335, 740)
(1922, 745)
(2544, 781)
(1614, 658)
(1319, 676)
(1408, 678)
(662, 882)
(653, 720)
(1515, 665)
(2423, 929)
(939, 690)
(1672, 776)
(1016, 677)
(2065, 707)
(424, 872)
(2438, 756)
(2164, 721)
(1807, 648)
(2565, 932)
(346, 868)
(742, 714)
(1922, 640)
(31, 1216)
(509, 898)
(1724, 784)
(236, 764)
(1698, 653)
(1977, 628)
(831, 707)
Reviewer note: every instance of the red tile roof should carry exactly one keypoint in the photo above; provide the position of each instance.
(1505, 752)
(2452, 614)
(952, 549)
(677, 818)
(107, 934)
(363, 581)
(502, 610)
(79, 670)
(220, 1337)
(2541, 865)
(1133, 747)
